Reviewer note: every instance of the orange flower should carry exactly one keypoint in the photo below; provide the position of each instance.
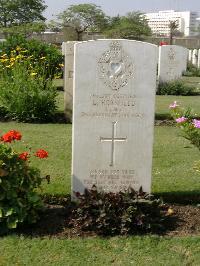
(41, 154)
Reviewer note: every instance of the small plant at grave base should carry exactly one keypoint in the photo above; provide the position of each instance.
(19, 202)
(120, 213)
(189, 125)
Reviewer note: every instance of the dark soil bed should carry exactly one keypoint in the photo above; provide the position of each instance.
(54, 222)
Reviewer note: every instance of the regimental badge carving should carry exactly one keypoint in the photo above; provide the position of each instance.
(171, 54)
(114, 67)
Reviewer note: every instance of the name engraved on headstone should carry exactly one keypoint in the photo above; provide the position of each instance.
(113, 105)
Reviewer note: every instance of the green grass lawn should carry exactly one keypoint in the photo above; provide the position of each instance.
(172, 160)
(163, 102)
(173, 174)
(194, 81)
(116, 251)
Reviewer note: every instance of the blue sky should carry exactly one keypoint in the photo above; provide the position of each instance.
(114, 7)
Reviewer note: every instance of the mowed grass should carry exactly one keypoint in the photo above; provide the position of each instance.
(117, 251)
(163, 102)
(173, 157)
(173, 173)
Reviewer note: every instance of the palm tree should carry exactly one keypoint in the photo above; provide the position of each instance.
(173, 26)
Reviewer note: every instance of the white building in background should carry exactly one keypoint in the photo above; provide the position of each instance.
(187, 22)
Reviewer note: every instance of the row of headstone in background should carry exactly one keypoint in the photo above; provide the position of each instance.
(172, 62)
(194, 57)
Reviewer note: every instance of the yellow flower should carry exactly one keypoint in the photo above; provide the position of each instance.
(33, 74)
(43, 57)
(57, 77)
(4, 60)
(170, 211)
(18, 48)
(61, 65)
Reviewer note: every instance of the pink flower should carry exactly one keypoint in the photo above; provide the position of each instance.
(173, 105)
(181, 119)
(196, 123)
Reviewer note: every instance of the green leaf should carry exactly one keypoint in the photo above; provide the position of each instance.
(12, 223)
(8, 212)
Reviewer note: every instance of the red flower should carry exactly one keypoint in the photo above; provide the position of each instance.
(24, 156)
(11, 135)
(16, 135)
(41, 154)
(163, 43)
(7, 137)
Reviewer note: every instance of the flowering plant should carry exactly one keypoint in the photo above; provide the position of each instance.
(26, 93)
(189, 125)
(19, 200)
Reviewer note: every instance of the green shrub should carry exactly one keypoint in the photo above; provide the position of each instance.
(27, 95)
(19, 201)
(52, 57)
(176, 87)
(121, 213)
(192, 71)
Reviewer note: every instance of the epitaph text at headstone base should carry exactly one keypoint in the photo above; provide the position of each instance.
(68, 52)
(113, 115)
(172, 62)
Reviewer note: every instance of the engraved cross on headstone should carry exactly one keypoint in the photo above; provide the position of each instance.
(113, 139)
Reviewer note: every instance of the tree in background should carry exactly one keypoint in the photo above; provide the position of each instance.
(25, 14)
(132, 26)
(82, 18)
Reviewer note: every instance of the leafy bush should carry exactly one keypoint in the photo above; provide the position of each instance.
(26, 95)
(176, 87)
(19, 202)
(122, 213)
(189, 125)
(51, 56)
(192, 71)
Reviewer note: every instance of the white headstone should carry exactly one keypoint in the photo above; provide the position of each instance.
(68, 52)
(172, 62)
(113, 115)
(198, 61)
(190, 55)
(194, 57)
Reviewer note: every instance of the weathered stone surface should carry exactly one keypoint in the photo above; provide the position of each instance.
(68, 52)
(172, 62)
(113, 114)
